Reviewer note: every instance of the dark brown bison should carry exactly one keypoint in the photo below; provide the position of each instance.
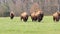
(56, 16)
(11, 14)
(33, 16)
(37, 16)
(24, 16)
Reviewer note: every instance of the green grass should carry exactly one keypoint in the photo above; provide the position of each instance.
(16, 26)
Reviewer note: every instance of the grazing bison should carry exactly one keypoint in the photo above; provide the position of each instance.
(24, 16)
(37, 16)
(33, 16)
(56, 16)
(11, 14)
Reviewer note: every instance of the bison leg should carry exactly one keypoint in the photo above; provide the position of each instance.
(12, 17)
(53, 18)
(25, 19)
(35, 19)
(57, 19)
(32, 18)
(21, 18)
(39, 19)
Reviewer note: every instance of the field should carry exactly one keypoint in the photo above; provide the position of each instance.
(16, 26)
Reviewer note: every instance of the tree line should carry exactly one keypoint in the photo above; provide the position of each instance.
(19, 6)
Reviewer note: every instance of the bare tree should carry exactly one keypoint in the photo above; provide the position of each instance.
(34, 7)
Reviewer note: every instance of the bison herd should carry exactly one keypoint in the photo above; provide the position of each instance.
(35, 16)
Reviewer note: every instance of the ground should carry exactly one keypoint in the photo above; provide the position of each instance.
(16, 26)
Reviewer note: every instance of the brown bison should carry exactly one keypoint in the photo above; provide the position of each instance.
(24, 16)
(33, 16)
(37, 16)
(56, 16)
(11, 14)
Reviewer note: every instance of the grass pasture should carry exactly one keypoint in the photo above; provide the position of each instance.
(16, 26)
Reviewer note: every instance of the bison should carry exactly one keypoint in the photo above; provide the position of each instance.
(11, 14)
(56, 16)
(24, 16)
(33, 16)
(37, 16)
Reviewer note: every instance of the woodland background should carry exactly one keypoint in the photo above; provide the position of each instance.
(18, 6)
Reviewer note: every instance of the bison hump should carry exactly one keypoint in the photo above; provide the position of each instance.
(55, 14)
(24, 14)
